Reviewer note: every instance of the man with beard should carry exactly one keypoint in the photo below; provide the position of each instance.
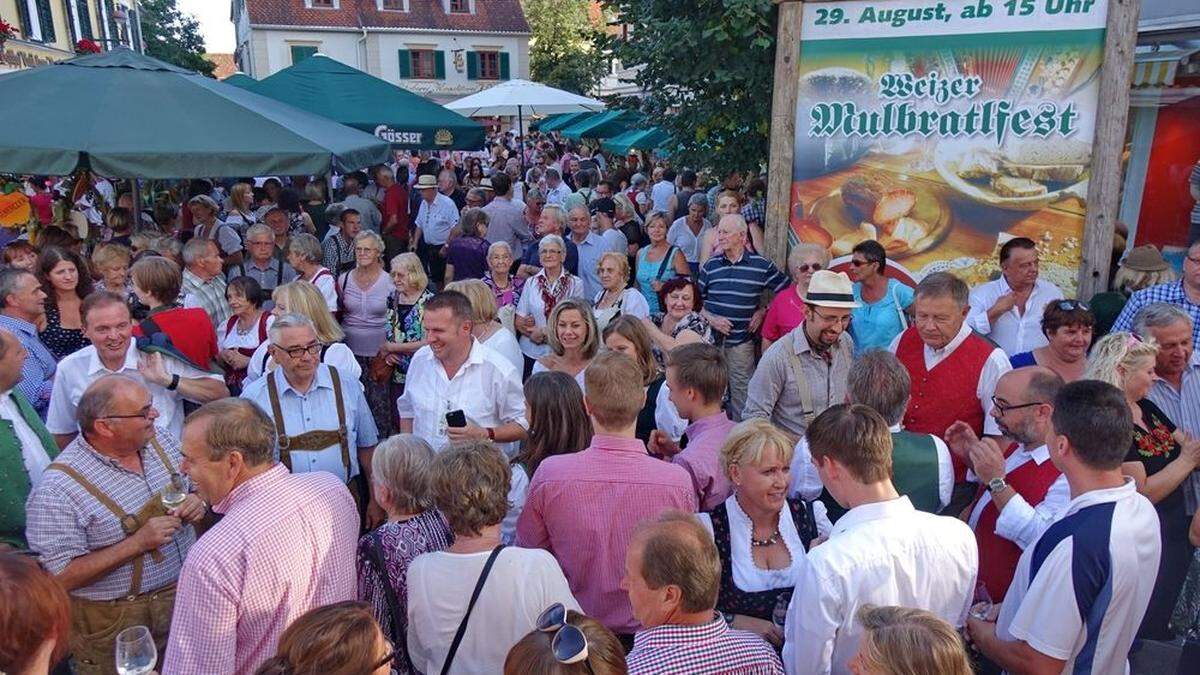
(1009, 309)
(805, 372)
(1023, 493)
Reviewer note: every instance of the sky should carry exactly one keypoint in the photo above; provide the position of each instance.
(215, 25)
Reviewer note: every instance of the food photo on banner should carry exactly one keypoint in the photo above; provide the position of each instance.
(942, 129)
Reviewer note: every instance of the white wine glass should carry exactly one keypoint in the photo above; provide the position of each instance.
(174, 494)
(136, 653)
(981, 605)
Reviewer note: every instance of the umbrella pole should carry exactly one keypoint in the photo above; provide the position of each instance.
(521, 131)
(136, 193)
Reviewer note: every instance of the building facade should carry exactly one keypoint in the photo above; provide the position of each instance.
(49, 30)
(441, 49)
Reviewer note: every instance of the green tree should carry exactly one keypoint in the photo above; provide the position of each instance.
(707, 68)
(563, 51)
(173, 36)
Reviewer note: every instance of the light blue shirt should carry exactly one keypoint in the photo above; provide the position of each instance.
(874, 325)
(590, 250)
(37, 375)
(316, 410)
(437, 219)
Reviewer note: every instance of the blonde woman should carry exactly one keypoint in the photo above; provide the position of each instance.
(659, 261)
(486, 326)
(301, 297)
(573, 339)
(761, 534)
(241, 214)
(616, 297)
(1159, 461)
(907, 641)
(405, 332)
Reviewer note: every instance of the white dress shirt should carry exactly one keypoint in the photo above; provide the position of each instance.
(1084, 586)
(558, 195)
(486, 388)
(77, 371)
(996, 365)
(504, 343)
(806, 481)
(661, 193)
(1019, 522)
(884, 553)
(749, 577)
(33, 453)
(1012, 331)
(437, 219)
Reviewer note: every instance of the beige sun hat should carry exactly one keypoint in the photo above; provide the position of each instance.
(831, 289)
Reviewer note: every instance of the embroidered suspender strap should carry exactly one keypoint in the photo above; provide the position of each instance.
(802, 388)
(462, 626)
(129, 523)
(285, 454)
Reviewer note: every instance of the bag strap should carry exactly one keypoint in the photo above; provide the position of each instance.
(375, 556)
(462, 626)
(667, 260)
(899, 309)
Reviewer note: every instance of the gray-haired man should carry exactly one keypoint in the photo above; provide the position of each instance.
(320, 415)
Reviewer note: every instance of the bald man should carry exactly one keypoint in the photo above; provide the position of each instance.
(1023, 493)
(732, 284)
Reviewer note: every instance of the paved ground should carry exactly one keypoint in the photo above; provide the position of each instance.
(1156, 658)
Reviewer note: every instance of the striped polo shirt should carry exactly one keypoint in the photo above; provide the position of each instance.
(732, 289)
(1080, 592)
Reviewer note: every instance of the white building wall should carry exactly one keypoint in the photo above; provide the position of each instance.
(380, 57)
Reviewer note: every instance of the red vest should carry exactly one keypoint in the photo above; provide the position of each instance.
(946, 394)
(998, 556)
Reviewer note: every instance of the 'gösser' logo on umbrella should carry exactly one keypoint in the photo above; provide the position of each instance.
(392, 136)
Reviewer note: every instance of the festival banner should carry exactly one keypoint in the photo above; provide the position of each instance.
(942, 128)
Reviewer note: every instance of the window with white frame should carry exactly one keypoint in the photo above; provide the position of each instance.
(460, 6)
(393, 5)
(322, 4)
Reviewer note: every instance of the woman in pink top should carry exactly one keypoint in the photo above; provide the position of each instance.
(786, 310)
(364, 292)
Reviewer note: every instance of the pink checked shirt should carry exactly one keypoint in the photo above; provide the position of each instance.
(584, 507)
(286, 545)
(702, 460)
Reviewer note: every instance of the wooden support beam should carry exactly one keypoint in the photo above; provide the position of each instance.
(783, 131)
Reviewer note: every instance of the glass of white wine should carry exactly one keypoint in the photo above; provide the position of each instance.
(174, 494)
(136, 653)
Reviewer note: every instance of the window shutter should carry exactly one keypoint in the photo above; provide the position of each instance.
(301, 52)
(439, 64)
(405, 61)
(46, 18)
(85, 19)
(472, 66)
(23, 19)
(503, 65)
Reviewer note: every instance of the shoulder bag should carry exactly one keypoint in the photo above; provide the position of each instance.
(462, 627)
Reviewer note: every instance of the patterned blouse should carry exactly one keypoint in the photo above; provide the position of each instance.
(691, 321)
(406, 323)
(402, 542)
(508, 296)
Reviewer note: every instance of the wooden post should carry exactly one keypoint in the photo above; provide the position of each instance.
(783, 131)
(1104, 187)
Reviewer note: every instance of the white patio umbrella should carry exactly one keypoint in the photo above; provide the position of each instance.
(520, 98)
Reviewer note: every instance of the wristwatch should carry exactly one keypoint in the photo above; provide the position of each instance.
(174, 384)
(491, 434)
(997, 485)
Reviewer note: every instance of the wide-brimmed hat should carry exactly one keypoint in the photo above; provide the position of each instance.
(831, 289)
(426, 182)
(486, 184)
(1145, 258)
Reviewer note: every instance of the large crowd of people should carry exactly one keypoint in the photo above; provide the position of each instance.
(557, 413)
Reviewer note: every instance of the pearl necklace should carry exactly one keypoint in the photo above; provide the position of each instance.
(769, 541)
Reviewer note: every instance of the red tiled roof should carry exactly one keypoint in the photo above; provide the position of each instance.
(503, 16)
(225, 65)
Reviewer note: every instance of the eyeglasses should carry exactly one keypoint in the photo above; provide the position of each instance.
(1004, 408)
(844, 320)
(808, 267)
(550, 251)
(1071, 305)
(391, 656)
(569, 643)
(262, 243)
(859, 263)
(366, 249)
(296, 352)
(144, 413)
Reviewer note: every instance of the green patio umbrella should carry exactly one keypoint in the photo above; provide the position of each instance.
(560, 121)
(333, 89)
(602, 125)
(124, 115)
(240, 79)
(642, 139)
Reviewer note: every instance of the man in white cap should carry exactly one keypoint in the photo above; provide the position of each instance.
(805, 372)
(436, 216)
